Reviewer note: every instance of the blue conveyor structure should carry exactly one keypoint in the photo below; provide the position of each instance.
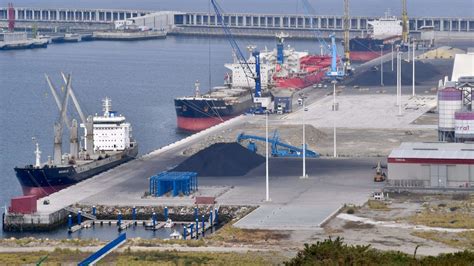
(279, 149)
(175, 182)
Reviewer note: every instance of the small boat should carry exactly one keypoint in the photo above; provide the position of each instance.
(169, 223)
(176, 235)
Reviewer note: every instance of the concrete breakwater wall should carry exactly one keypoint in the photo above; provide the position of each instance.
(37, 223)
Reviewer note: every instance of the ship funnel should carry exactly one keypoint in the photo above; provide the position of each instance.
(74, 140)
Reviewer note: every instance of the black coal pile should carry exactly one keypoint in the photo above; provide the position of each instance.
(423, 72)
(221, 159)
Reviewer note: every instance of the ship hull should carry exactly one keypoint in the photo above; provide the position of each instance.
(366, 49)
(200, 113)
(299, 82)
(44, 181)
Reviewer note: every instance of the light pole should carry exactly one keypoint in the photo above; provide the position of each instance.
(413, 70)
(392, 56)
(399, 83)
(267, 187)
(334, 108)
(381, 65)
(302, 101)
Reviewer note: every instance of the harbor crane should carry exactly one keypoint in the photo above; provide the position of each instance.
(279, 149)
(335, 72)
(249, 73)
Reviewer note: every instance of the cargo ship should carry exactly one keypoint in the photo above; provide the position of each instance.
(198, 112)
(383, 34)
(108, 143)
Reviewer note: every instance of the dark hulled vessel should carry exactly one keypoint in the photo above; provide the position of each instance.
(198, 112)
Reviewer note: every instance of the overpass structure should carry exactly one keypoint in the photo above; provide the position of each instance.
(240, 21)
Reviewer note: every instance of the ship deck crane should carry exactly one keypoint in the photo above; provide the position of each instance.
(278, 148)
(249, 73)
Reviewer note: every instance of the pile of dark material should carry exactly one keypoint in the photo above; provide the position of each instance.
(423, 72)
(221, 159)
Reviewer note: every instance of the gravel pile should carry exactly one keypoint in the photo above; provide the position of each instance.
(423, 72)
(222, 159)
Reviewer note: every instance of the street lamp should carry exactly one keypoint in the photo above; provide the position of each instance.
(302, 102)
(381, 64)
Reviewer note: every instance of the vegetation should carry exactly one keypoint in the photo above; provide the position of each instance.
(65, 256)
(377, 205)
(464, 240)
(335, 252)
(232, 234)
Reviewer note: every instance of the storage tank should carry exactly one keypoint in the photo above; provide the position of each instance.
(449, 102)
(464, 126)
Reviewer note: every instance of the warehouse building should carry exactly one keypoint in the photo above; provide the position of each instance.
(432, 165)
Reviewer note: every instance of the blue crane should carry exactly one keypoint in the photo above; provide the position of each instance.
(279, 149)
(309, 10)
(335, 72)
(238, 52)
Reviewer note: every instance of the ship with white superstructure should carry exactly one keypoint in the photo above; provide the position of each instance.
(108, 142)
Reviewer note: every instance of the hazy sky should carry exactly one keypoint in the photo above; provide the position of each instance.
(449, 8)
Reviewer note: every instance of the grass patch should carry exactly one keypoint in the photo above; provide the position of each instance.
(464, 240)
(357, 225)
(230, 233)
(65, 256)
(454, 219)
(377, 205)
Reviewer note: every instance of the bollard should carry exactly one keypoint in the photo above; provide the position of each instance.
(203, 225)
(184, 232)
(94, 210)
(192, 227)
(79, 218)
(197, 228)
(195, 213)
(69, 222)
(154, 219)
(119, 219)
(166, 213)
(210, 219)
(134, 214)
(216, 216)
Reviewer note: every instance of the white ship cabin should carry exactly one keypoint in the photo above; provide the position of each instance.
(111, 132)
(385, 27)
(268, 62)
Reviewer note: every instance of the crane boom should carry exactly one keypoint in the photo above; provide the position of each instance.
(74, 99)
(346, 33)
(311, 12)
(233, 43)
(405, 21)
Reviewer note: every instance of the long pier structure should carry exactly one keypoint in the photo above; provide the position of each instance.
(235, 20)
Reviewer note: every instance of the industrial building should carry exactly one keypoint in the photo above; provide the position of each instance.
(432, 165)
(455, 108)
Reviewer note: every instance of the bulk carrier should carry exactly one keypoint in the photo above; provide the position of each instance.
(281, 68)
(383, 35)
(108, 143)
